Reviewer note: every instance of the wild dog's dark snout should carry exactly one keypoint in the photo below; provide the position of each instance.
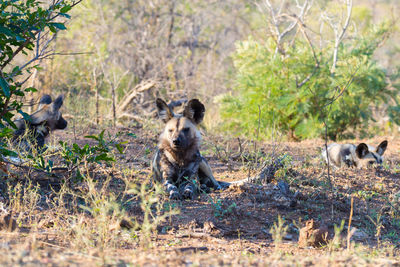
(61, 123)
(176, 141)
(180, 142)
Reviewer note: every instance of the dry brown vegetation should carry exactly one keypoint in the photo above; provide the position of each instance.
(111, 217)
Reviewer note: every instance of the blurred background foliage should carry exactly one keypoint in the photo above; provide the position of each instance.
(270, 87)
(229, 55)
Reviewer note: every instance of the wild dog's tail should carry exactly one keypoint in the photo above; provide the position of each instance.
(266, 175)
(224, 185)
(251, 180)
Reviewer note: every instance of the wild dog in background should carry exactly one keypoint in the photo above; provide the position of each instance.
(359, 156)
(178, 161)
(34, 131)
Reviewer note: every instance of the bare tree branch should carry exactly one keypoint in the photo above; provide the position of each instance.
(144, 86)
(275, 20)
(317, 63)
(339, 34)
(344, 88)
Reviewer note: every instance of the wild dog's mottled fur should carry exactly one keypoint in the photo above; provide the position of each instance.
(359, 156)
(46, 119)
(178, 161)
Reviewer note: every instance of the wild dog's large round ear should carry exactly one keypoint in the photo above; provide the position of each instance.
(194, 110)
(382, 147)
(44, 100)
(164, 111)
(58, 102)
(361, 150)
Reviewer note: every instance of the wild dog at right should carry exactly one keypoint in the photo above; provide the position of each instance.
(350, 155)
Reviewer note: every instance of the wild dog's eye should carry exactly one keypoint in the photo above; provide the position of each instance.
(186, 130)
(170, 130)
(371, 162)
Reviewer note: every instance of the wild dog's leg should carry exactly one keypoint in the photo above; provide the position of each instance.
(169, 186)
(39, 135)
(348, 160)
(164, 172)
(190, 176)
(168, 173)
(172, 190)
(207, 176)
(156, 168)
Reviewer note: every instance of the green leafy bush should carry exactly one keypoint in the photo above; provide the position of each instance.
(269, 92)
(75, 155)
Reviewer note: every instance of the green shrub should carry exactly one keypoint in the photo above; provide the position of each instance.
(268, 94)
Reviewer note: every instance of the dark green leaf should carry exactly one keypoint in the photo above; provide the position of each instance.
(131, 135)
(119, 148)
(65, 15)
(92, 137)
(31, 89)
(6, 31)
(65, 9)
(59, 26)
(103, 157)
(24, 115)
(7, 153)
(4, 85)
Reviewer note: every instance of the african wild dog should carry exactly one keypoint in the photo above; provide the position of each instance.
(359, 156)
(178, 162)
(47, 118)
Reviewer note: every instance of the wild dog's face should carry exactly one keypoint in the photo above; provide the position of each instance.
(368, 155)
(48, 113)
(181, 129)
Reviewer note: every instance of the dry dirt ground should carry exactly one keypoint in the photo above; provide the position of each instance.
(64, 221)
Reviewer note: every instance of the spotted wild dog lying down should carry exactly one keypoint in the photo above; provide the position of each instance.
(177, 161)
(47, 118)
(360, 156)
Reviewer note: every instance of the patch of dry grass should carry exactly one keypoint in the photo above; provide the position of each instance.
(109, 213)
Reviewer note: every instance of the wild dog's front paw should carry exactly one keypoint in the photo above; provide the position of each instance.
(172, 190)
(188, 192)
(174, 195)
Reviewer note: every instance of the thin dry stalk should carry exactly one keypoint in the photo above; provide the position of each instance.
(96, 89)
(349, 232)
